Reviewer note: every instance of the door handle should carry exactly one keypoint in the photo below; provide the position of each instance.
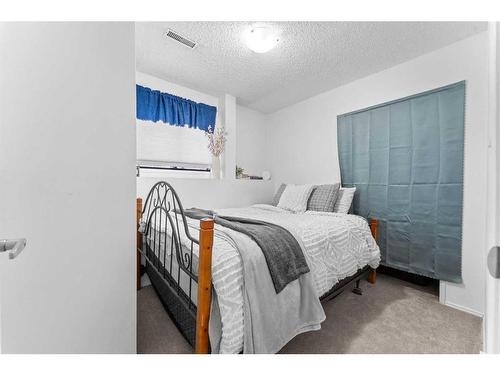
(13, 247)
(494, 262)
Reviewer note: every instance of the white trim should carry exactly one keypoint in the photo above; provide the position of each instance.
(443, 301)
(442, 292)
(491, 331)
(464, 309)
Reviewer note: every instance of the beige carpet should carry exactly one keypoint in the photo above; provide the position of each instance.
(392, 316)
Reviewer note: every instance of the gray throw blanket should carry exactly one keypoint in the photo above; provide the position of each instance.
(283, 254)
(270, 319)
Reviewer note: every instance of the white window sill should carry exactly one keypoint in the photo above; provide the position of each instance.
(158, 173)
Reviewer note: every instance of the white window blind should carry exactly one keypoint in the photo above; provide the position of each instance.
(171, 146)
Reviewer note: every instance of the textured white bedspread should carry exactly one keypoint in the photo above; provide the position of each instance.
(336, 246)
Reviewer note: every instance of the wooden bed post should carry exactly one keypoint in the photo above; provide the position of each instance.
(204, 285)
(139, 240)
(372, 276)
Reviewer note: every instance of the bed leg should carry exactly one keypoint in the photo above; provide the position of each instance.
(374, 228)
(372, 276)
(202, 345)
(357, 290)
(138, 241)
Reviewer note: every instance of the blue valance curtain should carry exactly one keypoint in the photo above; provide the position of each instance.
(153, 105)
(406, 160)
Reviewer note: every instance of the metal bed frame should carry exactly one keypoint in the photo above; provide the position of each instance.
(168, 263)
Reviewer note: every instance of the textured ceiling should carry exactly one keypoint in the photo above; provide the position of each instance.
(311, 57)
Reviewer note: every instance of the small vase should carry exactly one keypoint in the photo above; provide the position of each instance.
(215, 170)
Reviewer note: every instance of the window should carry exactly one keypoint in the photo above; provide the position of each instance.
(163, 145)
(171, 138)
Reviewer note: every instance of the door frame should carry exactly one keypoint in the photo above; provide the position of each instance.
(491, 321)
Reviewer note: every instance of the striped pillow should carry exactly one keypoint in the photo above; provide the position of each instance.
(344, 200)
(295, 197)
(277, 195)
(323, 198)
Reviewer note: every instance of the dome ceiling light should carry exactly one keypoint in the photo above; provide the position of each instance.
(261, 39)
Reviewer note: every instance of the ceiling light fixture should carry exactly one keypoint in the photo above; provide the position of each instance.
(261, 39)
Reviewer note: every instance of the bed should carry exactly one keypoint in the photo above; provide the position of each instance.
(214, 283)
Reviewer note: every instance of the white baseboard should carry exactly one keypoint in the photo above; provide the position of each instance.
(442, 292)
(443, 301)
(464, 309)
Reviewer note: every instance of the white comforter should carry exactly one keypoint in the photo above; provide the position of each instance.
(336, 246)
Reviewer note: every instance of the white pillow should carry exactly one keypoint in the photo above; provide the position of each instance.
(344, 200)
(295, 197)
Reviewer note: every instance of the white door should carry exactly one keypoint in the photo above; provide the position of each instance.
(67, 185)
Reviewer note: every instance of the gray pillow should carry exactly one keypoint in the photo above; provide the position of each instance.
(323, 198)
(344, 200)
(278, 193)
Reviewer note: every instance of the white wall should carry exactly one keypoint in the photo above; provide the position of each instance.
(251, 142)
(229, 155)
(208, 193)
(67, 182)
(304, 145)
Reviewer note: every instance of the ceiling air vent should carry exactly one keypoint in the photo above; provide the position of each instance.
(179, 38)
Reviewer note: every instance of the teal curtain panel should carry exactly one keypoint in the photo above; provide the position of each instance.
(406, 159)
